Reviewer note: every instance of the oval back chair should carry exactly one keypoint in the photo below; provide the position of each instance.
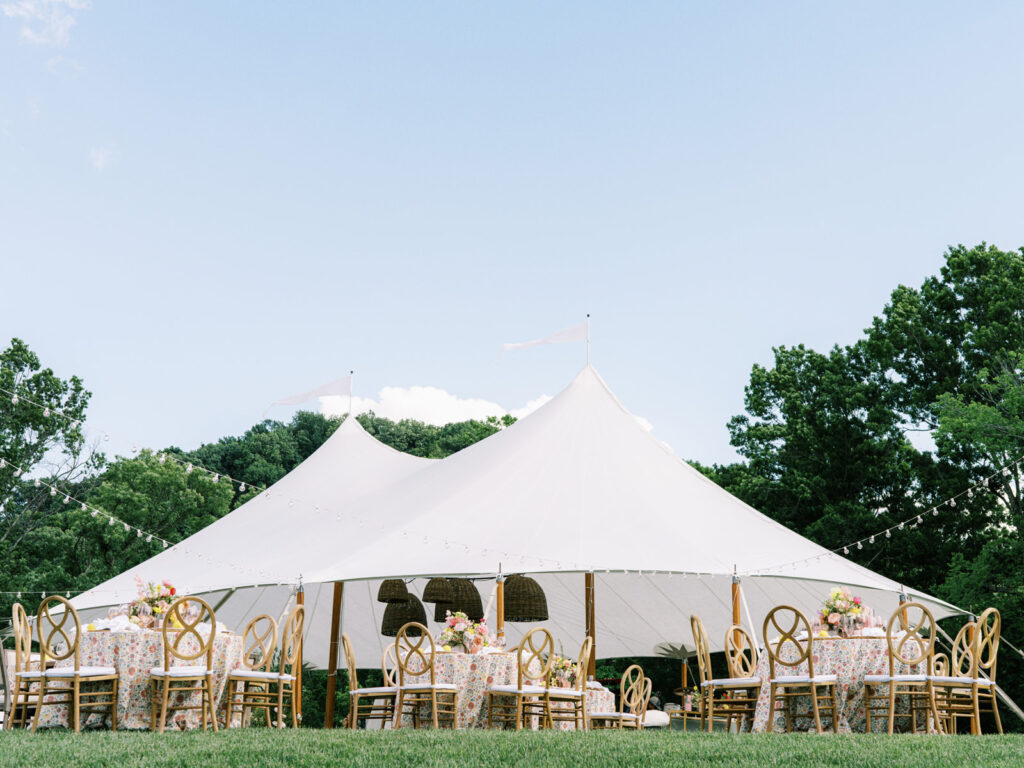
(740, 652)
(259, 642)
(701, 648)
(415, 650)
(916, 645)
(788, 622)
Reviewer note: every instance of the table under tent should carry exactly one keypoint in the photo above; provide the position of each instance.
(625, 539)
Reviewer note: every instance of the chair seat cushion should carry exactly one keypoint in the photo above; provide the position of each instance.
(256, 674)
(794, 679)
(532, 690)
(32, 674)
(178, 672)
(82, 672)
(732, 682)
(965, 681)
(428, 686)
(655, 718)
(612, 715)
(896, 678)
(374, 691)
(565, 693)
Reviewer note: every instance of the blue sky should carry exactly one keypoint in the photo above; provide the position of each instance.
(208, 206)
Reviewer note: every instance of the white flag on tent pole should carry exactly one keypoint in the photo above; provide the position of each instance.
(575, 333)
(342, 386)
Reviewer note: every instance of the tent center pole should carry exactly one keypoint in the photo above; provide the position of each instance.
(332, 659)
(588, 588)
(300, 599)
(736, 606)
(500, 609)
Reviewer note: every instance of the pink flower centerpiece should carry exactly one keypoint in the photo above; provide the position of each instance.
(461, 634)
(153, 601)
(842, 611)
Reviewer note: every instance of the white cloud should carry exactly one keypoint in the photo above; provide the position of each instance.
(45, 22)
(102, 157)
(432, 405)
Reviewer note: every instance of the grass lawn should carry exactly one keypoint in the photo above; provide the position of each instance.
(476, 749)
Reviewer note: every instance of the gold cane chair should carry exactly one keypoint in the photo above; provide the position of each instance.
(172, 680)
(24, 674)
(573, 700)
(417, 679)
(60, 634)
(287, 681)
(259, 642)
(989, 629)
(910, 636)
(743, 686)
(375, 703)
(528, 698)
(634, 693)
(732, 696)
(788, 622)
(956, 695)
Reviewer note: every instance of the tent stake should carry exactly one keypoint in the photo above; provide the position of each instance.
(332, 659)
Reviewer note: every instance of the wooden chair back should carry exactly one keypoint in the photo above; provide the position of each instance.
(916, 646)
(535, 655)
(59, 630)
(291, 640)
(583, 663)
(989, 630)
(631, 689)
(963, 661)
(181, 624)
(701, 647)
(645, 698)
(941, 664)
(740, 652)
(788, 622)
(259, 641)
(22, 639)
(350, 661)
(414, 648)
(389, 667)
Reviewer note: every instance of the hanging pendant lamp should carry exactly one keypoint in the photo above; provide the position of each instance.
(438, 590)
(392, 591)
(524, 600)
(465, 598)
(397, 615)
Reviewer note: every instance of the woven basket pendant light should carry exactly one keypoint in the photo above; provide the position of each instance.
(397, 615)
(392, 591)
(465, 598)
(524, 600)
(438, 590)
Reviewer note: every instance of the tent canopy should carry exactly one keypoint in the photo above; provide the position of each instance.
(577, 486)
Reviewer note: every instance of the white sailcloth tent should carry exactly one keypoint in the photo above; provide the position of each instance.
(250, 561)
(579, 486)
(576, 487)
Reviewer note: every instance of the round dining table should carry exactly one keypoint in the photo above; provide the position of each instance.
(133, 655)
(474, 673)
(849, 659)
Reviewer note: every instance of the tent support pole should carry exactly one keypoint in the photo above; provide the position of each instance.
(300, 599)
(332, 659)
(588, 587)
(736, 605)
(500, 607)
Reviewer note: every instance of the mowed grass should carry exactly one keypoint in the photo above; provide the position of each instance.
(478, 749)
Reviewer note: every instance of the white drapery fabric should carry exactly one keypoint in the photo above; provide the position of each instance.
(342, 386)
(573, 333)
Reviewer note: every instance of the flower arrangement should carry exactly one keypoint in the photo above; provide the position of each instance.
(472, 636)
(565, 672)
(840, 608)
(153, 601)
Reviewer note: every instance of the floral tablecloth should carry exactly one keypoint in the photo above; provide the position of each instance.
(598, 700)
(850, 659)
(133, 655)
(473, 673)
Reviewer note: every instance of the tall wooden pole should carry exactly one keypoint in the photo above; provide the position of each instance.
(500, 601)
(588, 588)
(736, 604)
(332, 660)
(300, 599)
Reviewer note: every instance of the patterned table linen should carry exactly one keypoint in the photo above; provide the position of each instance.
(850, 659)
(598, 700)
(133, 655)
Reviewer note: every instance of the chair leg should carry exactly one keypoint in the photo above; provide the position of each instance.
(280, 705)
(892, 706)
(113, 706)
(995, 709)
(295, 714)
(835, 708)
(39, 706)
(209, 701)
(814, 707)
(711, 709)
(771, 709)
